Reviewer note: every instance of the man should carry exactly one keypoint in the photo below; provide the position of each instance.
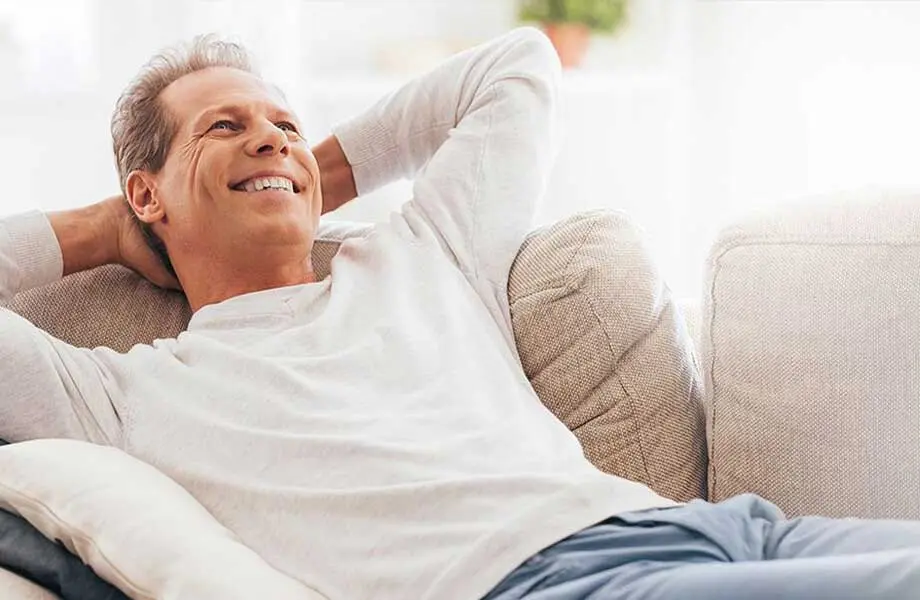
(373, 434)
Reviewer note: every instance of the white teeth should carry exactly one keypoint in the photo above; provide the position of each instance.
(263, 183)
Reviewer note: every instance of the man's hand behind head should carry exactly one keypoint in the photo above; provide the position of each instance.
(132, 249)
(106, 233)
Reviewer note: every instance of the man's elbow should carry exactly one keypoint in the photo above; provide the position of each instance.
(530, 59)
(541, 56)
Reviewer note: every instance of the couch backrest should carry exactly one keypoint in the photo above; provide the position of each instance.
(811, 337)
(597, 332)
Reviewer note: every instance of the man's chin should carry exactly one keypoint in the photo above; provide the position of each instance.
(278, 225)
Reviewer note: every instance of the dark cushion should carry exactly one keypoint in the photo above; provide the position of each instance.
(29, 554)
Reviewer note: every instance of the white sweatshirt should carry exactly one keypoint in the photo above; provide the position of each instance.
(373, 434)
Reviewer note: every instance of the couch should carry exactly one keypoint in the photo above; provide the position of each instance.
(807, 343)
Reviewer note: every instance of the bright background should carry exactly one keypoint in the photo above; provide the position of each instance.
(697, 113)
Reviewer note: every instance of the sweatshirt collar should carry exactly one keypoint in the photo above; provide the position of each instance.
(274, 302)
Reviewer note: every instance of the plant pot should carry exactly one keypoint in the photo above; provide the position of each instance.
(570, 40)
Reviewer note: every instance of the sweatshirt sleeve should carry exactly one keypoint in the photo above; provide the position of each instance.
(48, 388)
(29, 254)
(478, 134)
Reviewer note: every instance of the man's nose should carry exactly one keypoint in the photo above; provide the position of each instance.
(268, 140)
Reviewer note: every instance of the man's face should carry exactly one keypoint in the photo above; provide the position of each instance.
(238, 174)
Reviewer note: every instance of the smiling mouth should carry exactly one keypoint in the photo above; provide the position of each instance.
(258, 184)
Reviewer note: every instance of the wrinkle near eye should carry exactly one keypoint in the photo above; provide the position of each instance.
(190, 153)
(190, 146)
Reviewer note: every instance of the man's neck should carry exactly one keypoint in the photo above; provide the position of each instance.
(206, 282)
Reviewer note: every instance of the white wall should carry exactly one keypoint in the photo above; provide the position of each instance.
(794, 98)
(64, 62)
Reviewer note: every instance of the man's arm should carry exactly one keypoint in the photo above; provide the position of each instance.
(79, 235)
(479, 136)
(337, 178)
(106, 233)
(47, 387)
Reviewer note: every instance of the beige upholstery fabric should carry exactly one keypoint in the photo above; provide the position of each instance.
(109, 306)
(14, 587)
(811, 353)
(597, 332)
(605, 348)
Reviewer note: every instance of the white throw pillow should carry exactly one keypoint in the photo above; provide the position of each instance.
(16, 588)
(135, 527)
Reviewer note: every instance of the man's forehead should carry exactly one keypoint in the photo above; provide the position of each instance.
(216, 87)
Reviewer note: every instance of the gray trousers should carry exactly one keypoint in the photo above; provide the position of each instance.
(742, 548)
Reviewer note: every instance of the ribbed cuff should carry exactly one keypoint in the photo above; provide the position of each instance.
(36, 249)
(371, 151)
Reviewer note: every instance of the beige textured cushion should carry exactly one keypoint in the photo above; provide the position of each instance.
(605, 348)
(597, 332)
(811, 353)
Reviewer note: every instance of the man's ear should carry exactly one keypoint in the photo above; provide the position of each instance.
(142, 196)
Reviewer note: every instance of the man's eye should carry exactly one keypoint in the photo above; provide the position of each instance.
(286, 126)
(223, 125)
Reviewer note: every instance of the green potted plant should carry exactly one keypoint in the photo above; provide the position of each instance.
(569, 23)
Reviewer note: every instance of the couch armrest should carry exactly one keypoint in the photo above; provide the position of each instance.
(811, 356)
